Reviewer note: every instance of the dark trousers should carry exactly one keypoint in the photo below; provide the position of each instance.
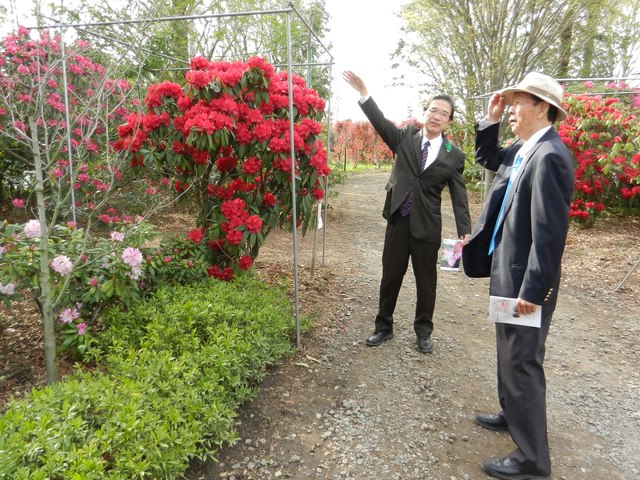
(522, 389)
(399, 246)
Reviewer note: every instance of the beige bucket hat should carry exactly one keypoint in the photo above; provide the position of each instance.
(540, 85)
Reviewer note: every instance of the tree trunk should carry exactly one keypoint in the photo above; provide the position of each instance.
(45, 290)
(566, 37)
(590, 44)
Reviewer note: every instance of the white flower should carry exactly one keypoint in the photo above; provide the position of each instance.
(32, 229)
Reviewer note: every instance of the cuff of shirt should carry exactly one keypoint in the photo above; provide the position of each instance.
(482, 124)
(364, 99)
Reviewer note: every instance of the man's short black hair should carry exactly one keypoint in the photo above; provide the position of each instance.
(446, 98)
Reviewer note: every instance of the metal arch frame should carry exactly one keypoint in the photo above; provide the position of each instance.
(287, 11)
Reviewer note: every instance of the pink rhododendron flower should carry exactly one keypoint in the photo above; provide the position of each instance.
(135, 273)
(68, 315)
(18, 203)
(8, 289)
(93, 282)
(132, 257)
(32, 229)
(117, 236)
(62, 265)
(82, 328)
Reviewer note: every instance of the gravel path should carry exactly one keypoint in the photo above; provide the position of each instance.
(342, 410)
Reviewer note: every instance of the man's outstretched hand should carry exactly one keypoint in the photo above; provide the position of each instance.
(356, 82)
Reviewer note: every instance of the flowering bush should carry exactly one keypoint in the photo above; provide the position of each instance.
(224, 136)
(83, 276)
(32, 95)
(90, 273)
(604, 135)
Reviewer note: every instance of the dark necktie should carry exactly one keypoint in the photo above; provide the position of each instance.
(514, 170)
(407, 203)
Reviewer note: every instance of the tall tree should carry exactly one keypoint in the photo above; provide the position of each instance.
(476, 47)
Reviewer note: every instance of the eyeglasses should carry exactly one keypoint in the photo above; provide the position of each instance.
(441, 113)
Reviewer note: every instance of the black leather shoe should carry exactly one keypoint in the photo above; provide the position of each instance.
(425, 345)
(378, 338)
(492, 421)
(505, 469)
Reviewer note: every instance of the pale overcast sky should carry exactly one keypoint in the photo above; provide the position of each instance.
(364, 33)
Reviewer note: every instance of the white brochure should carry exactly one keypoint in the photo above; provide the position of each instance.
(503, 310)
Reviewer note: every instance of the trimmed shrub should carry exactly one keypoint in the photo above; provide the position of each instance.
(176, 368)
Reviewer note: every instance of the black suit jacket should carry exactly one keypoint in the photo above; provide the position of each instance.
(427, 186)
(530, 243)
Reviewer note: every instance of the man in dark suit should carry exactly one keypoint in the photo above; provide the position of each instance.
(425, 161)
(518, 241)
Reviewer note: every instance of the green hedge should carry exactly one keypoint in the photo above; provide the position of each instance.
(175, 370)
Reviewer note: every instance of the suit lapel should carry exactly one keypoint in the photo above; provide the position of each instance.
(521, 170)
(417, 146)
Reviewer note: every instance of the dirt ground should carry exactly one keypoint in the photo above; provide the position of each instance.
(342, 410)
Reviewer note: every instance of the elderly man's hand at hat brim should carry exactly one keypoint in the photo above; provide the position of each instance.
(496, 108)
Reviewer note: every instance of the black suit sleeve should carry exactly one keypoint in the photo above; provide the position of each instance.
(488, 154)
(391, 135)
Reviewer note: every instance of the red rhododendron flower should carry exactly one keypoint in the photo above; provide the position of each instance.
(200, 157)
(318, 193)
(234, 237)
(198, 78)
(199, 63)
(262, 131)
(243, 135)
(253, 223)
(245, 262)
(224, 164)
(224, 274)
(251, 165)
(233, 208)
(196, 235)
(156, 93)
(216, 245)
(269, 199)
(259, 63)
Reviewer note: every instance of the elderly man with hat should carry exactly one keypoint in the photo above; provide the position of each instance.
(518, 242)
